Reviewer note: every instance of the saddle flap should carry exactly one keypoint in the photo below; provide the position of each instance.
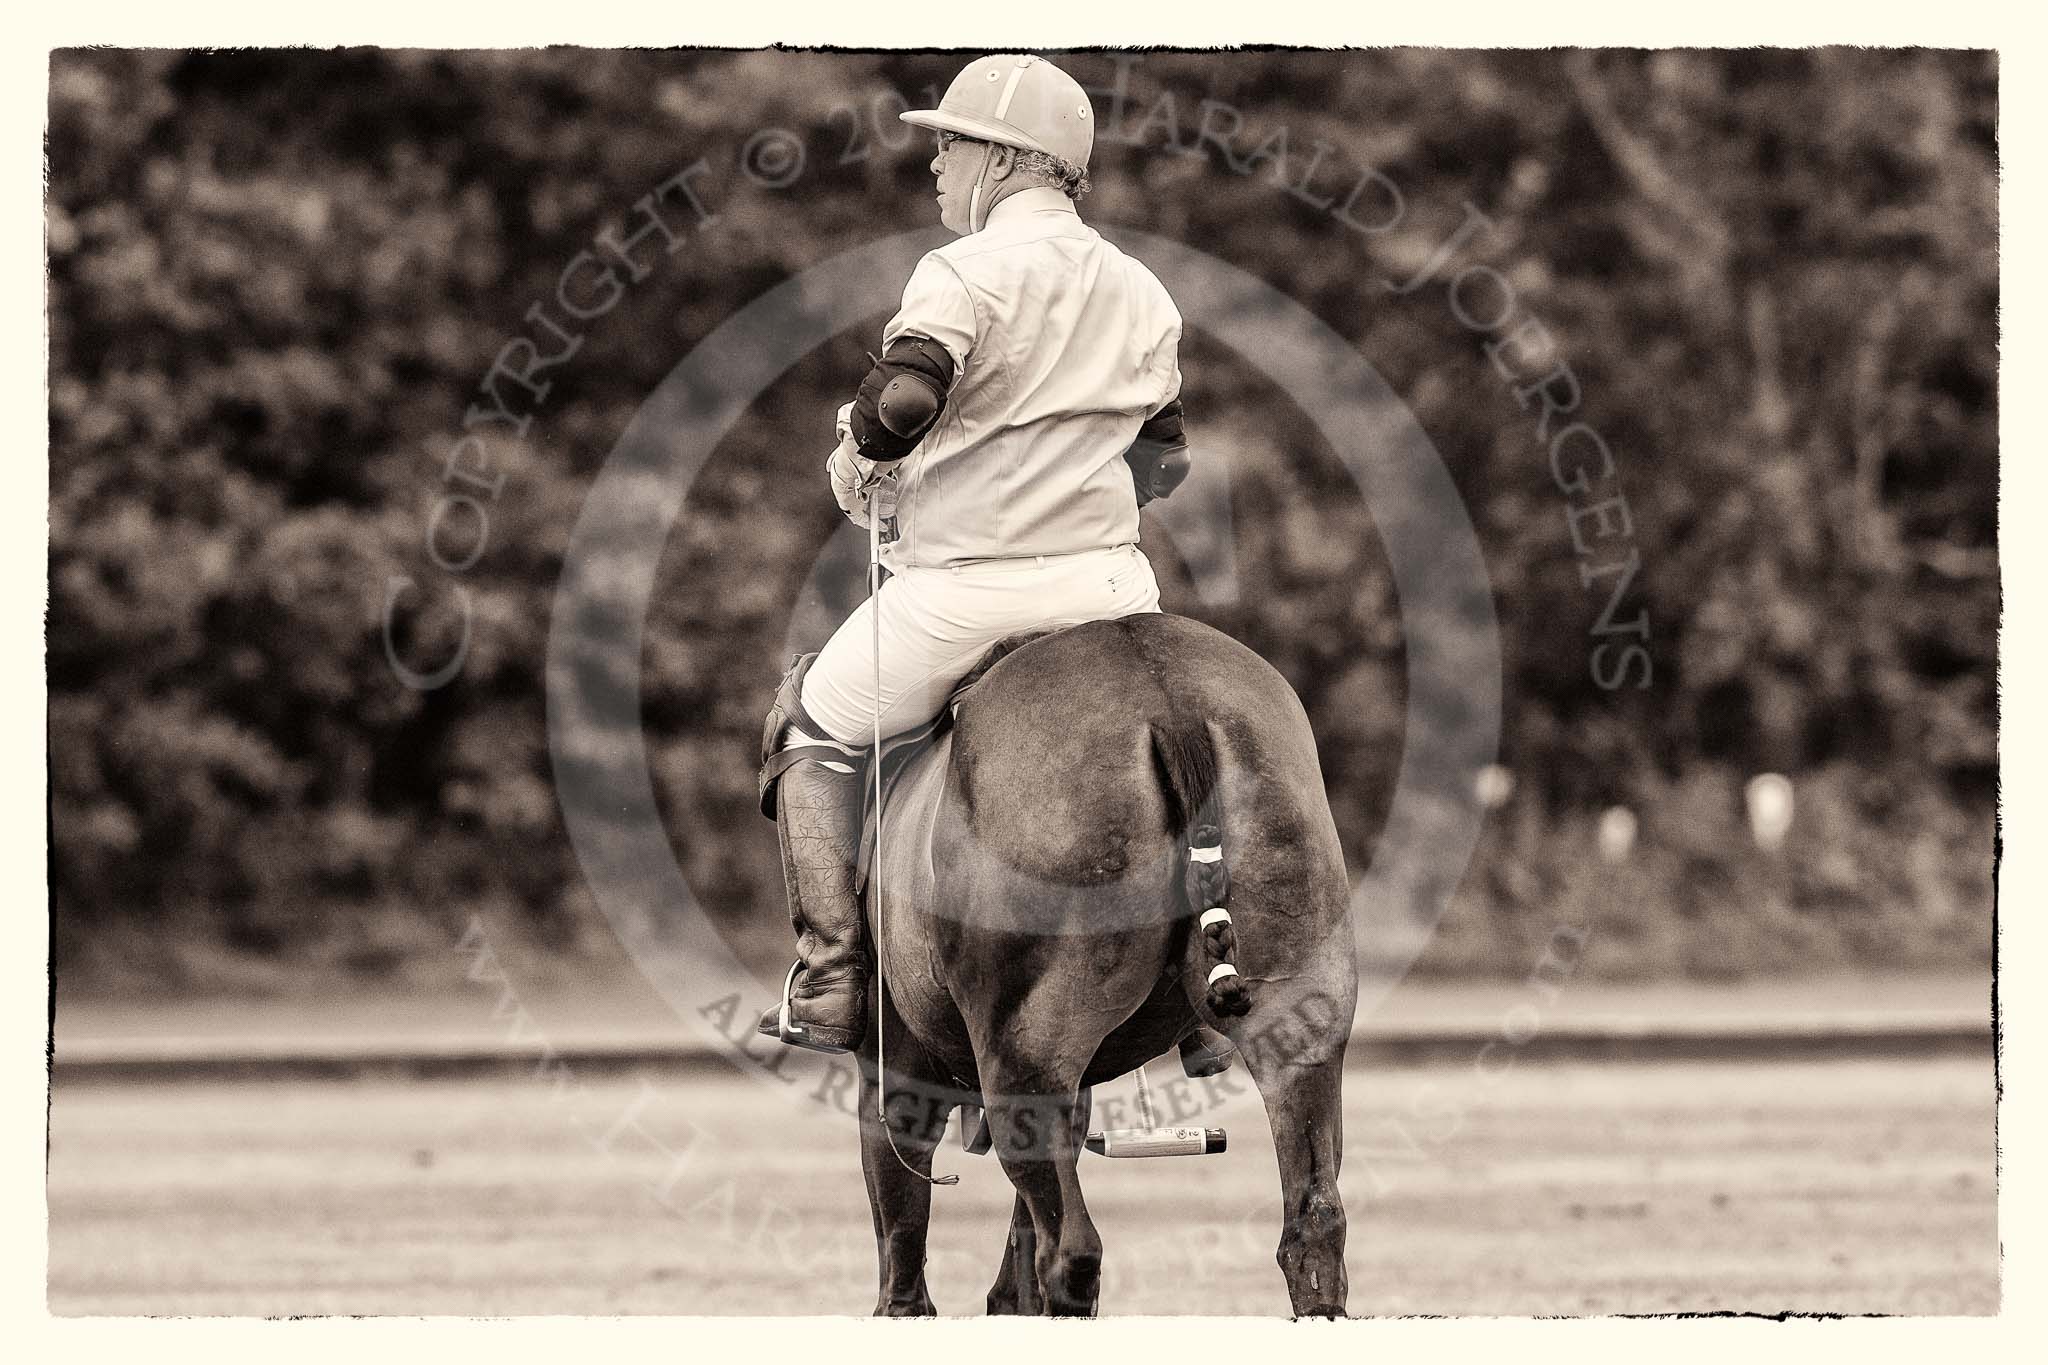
(897, 754)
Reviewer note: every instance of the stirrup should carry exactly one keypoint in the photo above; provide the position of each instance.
(780, 1024)
(783, 1026)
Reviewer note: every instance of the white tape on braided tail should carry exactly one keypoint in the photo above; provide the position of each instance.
(1208, 893)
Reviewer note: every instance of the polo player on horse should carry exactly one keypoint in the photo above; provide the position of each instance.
(1026, 404)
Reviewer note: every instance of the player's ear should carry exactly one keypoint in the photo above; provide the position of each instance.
(1001, 161)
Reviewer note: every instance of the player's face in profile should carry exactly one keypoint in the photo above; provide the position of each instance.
(955, 165)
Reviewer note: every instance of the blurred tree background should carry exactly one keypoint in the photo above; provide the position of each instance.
(277, 278)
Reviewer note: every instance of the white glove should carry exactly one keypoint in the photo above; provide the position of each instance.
(858, 483)
(854, 481)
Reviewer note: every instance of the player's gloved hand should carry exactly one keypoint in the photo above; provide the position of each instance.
(843, 427)
(853, 479)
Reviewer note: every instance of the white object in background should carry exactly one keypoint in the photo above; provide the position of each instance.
(1617, 833)
(1493, 786)
(1770, 809)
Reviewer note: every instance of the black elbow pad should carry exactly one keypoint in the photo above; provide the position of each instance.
(1159, 458)
(901, 398)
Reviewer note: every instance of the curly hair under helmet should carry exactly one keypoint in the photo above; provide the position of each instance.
(1064, 176)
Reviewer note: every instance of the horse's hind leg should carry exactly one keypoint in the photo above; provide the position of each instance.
(900, 1199)
(1016, 1288)
(1287, 933)
(1295, 1051)
(1038, 1126)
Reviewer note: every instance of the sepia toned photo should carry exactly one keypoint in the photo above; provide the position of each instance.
(1253, 682)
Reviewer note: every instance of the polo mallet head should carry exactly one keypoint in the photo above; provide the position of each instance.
(1153, 1139)
(1157, 1141)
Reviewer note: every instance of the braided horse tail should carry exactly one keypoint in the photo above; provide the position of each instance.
(1186, 759)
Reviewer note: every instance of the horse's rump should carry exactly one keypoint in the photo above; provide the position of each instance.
(1083, 760)
(1109, 736)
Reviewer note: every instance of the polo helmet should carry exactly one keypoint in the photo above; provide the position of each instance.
(1016, 101)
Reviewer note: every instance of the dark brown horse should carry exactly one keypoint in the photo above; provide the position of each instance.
(1040, 937)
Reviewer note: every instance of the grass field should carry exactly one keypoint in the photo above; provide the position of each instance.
(1845, 1187)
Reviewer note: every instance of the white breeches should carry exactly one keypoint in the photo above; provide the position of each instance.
(937, 623)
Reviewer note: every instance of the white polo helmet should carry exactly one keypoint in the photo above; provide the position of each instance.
(1016, 101)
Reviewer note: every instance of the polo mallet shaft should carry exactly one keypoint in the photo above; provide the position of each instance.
(875, 868)
(1145, 1101)
(875, 775)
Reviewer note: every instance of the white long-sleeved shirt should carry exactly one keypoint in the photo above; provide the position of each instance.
(1062, 346)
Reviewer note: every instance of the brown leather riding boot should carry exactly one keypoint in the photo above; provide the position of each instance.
(825, 1004)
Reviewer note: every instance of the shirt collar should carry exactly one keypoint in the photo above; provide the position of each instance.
(1037, 199)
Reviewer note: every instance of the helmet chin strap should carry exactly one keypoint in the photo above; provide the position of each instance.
(974, 211)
